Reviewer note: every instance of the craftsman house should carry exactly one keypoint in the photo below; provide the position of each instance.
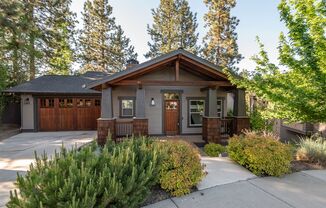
(175, 94)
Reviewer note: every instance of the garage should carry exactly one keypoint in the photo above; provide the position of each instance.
(59, 102)
(68, 113)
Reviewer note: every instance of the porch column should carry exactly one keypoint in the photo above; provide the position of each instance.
(211, 102)
(241, 120)
(211, 123)
(106, 124)
(140, 103)
(106, 103)
(140, 122)
(239, 107)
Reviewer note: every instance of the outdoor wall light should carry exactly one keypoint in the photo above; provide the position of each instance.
(152, 102)
(26, 101)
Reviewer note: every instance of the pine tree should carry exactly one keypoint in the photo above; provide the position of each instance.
(220, 46)
(12, 40)
(174, 27)
(103, 46)
(60, 27)
(121, 50)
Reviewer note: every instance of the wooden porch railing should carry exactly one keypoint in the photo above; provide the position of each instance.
(226, 127)
(123, 128)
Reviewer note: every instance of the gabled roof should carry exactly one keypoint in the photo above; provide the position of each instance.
(139, 67)
(59, 84)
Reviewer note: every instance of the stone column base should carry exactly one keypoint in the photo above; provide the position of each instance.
(105, 127)
(140, 126)
(240, 124)
(211, 129)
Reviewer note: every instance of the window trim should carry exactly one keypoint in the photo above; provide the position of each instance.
(189, 99)
(222, 106)
(133, 109)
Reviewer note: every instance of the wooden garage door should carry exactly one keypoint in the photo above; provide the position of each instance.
(64, 114)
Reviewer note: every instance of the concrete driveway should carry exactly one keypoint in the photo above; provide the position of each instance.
(17, 153)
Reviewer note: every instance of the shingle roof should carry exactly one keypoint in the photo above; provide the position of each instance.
(59, 84)
(151, 62)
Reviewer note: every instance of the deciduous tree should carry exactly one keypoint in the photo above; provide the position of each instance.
(298, 92)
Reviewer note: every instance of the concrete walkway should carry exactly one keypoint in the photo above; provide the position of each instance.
(222, 170)
(17, 153)
(228, 185)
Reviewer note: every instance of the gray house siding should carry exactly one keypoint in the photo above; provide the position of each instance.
(155, 113)
(27, 112)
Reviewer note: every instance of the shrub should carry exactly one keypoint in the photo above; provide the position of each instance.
(117, 175)
(214, 150)
(261, 154)
(312, 150)
(181, 168)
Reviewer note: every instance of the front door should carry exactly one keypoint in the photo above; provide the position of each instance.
(171, 117)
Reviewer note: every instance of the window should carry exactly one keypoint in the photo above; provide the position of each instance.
(80, 103)
(51, 103)
(97, 102)
(65, 103)
(196, 112)
(171, 96)
(88, 103)
(219, 108)
(47, 103)
(43, 103)
(62, 103)
(127, 108)
(70, 104)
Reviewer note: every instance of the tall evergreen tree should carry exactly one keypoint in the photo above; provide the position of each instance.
(35, 35)
(102, 42)
(174, 27)
(121, 50)
(220, 46)
(12, 40)
(60, 28)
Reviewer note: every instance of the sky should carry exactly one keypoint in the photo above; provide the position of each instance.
(257, 18)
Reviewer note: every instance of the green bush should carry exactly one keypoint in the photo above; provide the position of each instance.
(312, 150)
(258, 122)
(181, 168)
(260, 153)
(117, 175)
(214, 150)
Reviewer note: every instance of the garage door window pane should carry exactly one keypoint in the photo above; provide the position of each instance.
(97, 102)
(43, 103)
(70, 104)
(80, 103)
(51, 103)
(62, 103)
(88, 103)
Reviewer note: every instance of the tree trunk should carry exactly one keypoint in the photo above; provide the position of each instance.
(32, 69)
(15, 65)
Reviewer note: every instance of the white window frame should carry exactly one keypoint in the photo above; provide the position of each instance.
(189, 112)
(221, 111)
(132, 108)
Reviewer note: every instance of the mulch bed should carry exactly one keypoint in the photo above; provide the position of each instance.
(158, 194)
(200, 144)
(298, 165)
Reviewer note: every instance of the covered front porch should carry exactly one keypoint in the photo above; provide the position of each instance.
(216, 125)
(175, 94)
